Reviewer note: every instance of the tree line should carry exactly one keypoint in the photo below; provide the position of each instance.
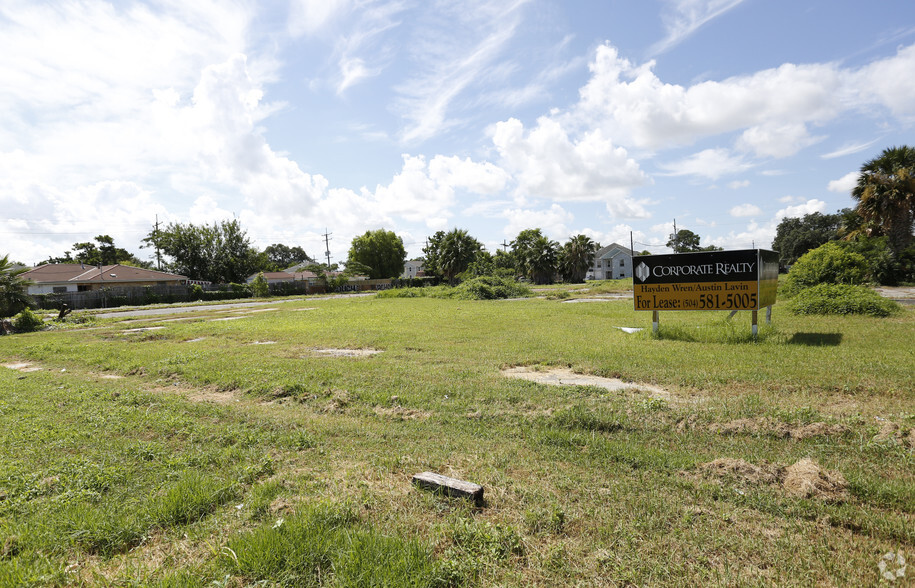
(879, 228)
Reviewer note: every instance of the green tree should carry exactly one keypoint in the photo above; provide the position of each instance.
(432, 254)
(456, 252)
(381, 251)
(219, 253)
(102, 252)
(886, 196)
(796, 236)
(280, 256)
(684, 241)
(536, 255)
(576, 257)
(13, 289)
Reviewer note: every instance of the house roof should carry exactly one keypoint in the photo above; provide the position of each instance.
(286, 275)
(80, 273)
(611, 251)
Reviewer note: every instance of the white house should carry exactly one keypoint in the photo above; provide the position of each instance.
(412, 268)
(611, 263)
(59, 278)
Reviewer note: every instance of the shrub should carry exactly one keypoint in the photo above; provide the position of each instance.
(195, 292)
(490, 288)
(828, 264)
(259, 286)
(27, 322)
(842, 299)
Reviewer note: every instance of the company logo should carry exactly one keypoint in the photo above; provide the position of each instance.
(641, 272)
(892, 566)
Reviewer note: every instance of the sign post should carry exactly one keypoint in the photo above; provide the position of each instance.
(710, 280)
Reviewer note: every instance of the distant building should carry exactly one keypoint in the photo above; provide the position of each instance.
(612, 262)
(286, 276)
(59, 278)
(413, 269)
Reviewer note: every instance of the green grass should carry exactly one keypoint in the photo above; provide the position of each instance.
(234, 452)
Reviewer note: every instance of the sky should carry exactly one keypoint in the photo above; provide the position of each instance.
(301, 118)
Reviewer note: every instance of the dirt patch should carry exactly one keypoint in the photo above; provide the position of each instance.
(766, 426)
(566, 377)
(339, 400)
(142, 329)
(195, 340)
(262, 343)
(347, 352)
(400, 413)
(214, 396)
(230, 318)
(742, 470)
(804, 479)
(22, 367)
(890, 432)
(303, 309)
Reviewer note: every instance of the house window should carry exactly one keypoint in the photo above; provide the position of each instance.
(623, 262)
(60, 289)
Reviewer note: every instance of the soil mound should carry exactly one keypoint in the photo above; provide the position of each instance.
(804, 479)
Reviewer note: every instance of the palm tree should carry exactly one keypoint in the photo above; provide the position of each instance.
(576, 256)
(456, 252)
(13, 296)
(886, 196)
(541, 260)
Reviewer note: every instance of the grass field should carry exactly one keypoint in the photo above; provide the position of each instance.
(277, 448)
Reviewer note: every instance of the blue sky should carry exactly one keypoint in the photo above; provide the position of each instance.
(301, 117)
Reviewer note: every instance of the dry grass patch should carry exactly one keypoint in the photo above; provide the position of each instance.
(24, 367)
(566, 377)
(803, 479)
(767, 426)
(401, 413)
(346, 352)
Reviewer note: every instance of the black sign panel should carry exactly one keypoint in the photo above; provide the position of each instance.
(709, 280)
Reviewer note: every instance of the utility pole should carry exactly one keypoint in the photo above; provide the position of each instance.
(675, 239)
(504, 245)
(327, 246)
(156, 237)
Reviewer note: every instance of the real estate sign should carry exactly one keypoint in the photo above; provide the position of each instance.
(710, 280)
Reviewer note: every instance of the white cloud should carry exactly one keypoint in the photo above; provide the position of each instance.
(776, 140)
(809, 207)
(745, 210)
(636, 107)
(772, 107)
(553, 222)
(845, 184)
(481, 178)
(310, 16)
(546, 163)
(687, 16)
(710, 163)
(737, 184)
(848, 149)
(886, 82)
(453, 57)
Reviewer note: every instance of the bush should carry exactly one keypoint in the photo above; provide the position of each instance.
(490, 288)
(842, 299)
(195, 292)
(259, 286)
(27, 322)
(828, 264)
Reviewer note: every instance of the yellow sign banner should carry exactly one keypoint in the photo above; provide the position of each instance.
(743, 295)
